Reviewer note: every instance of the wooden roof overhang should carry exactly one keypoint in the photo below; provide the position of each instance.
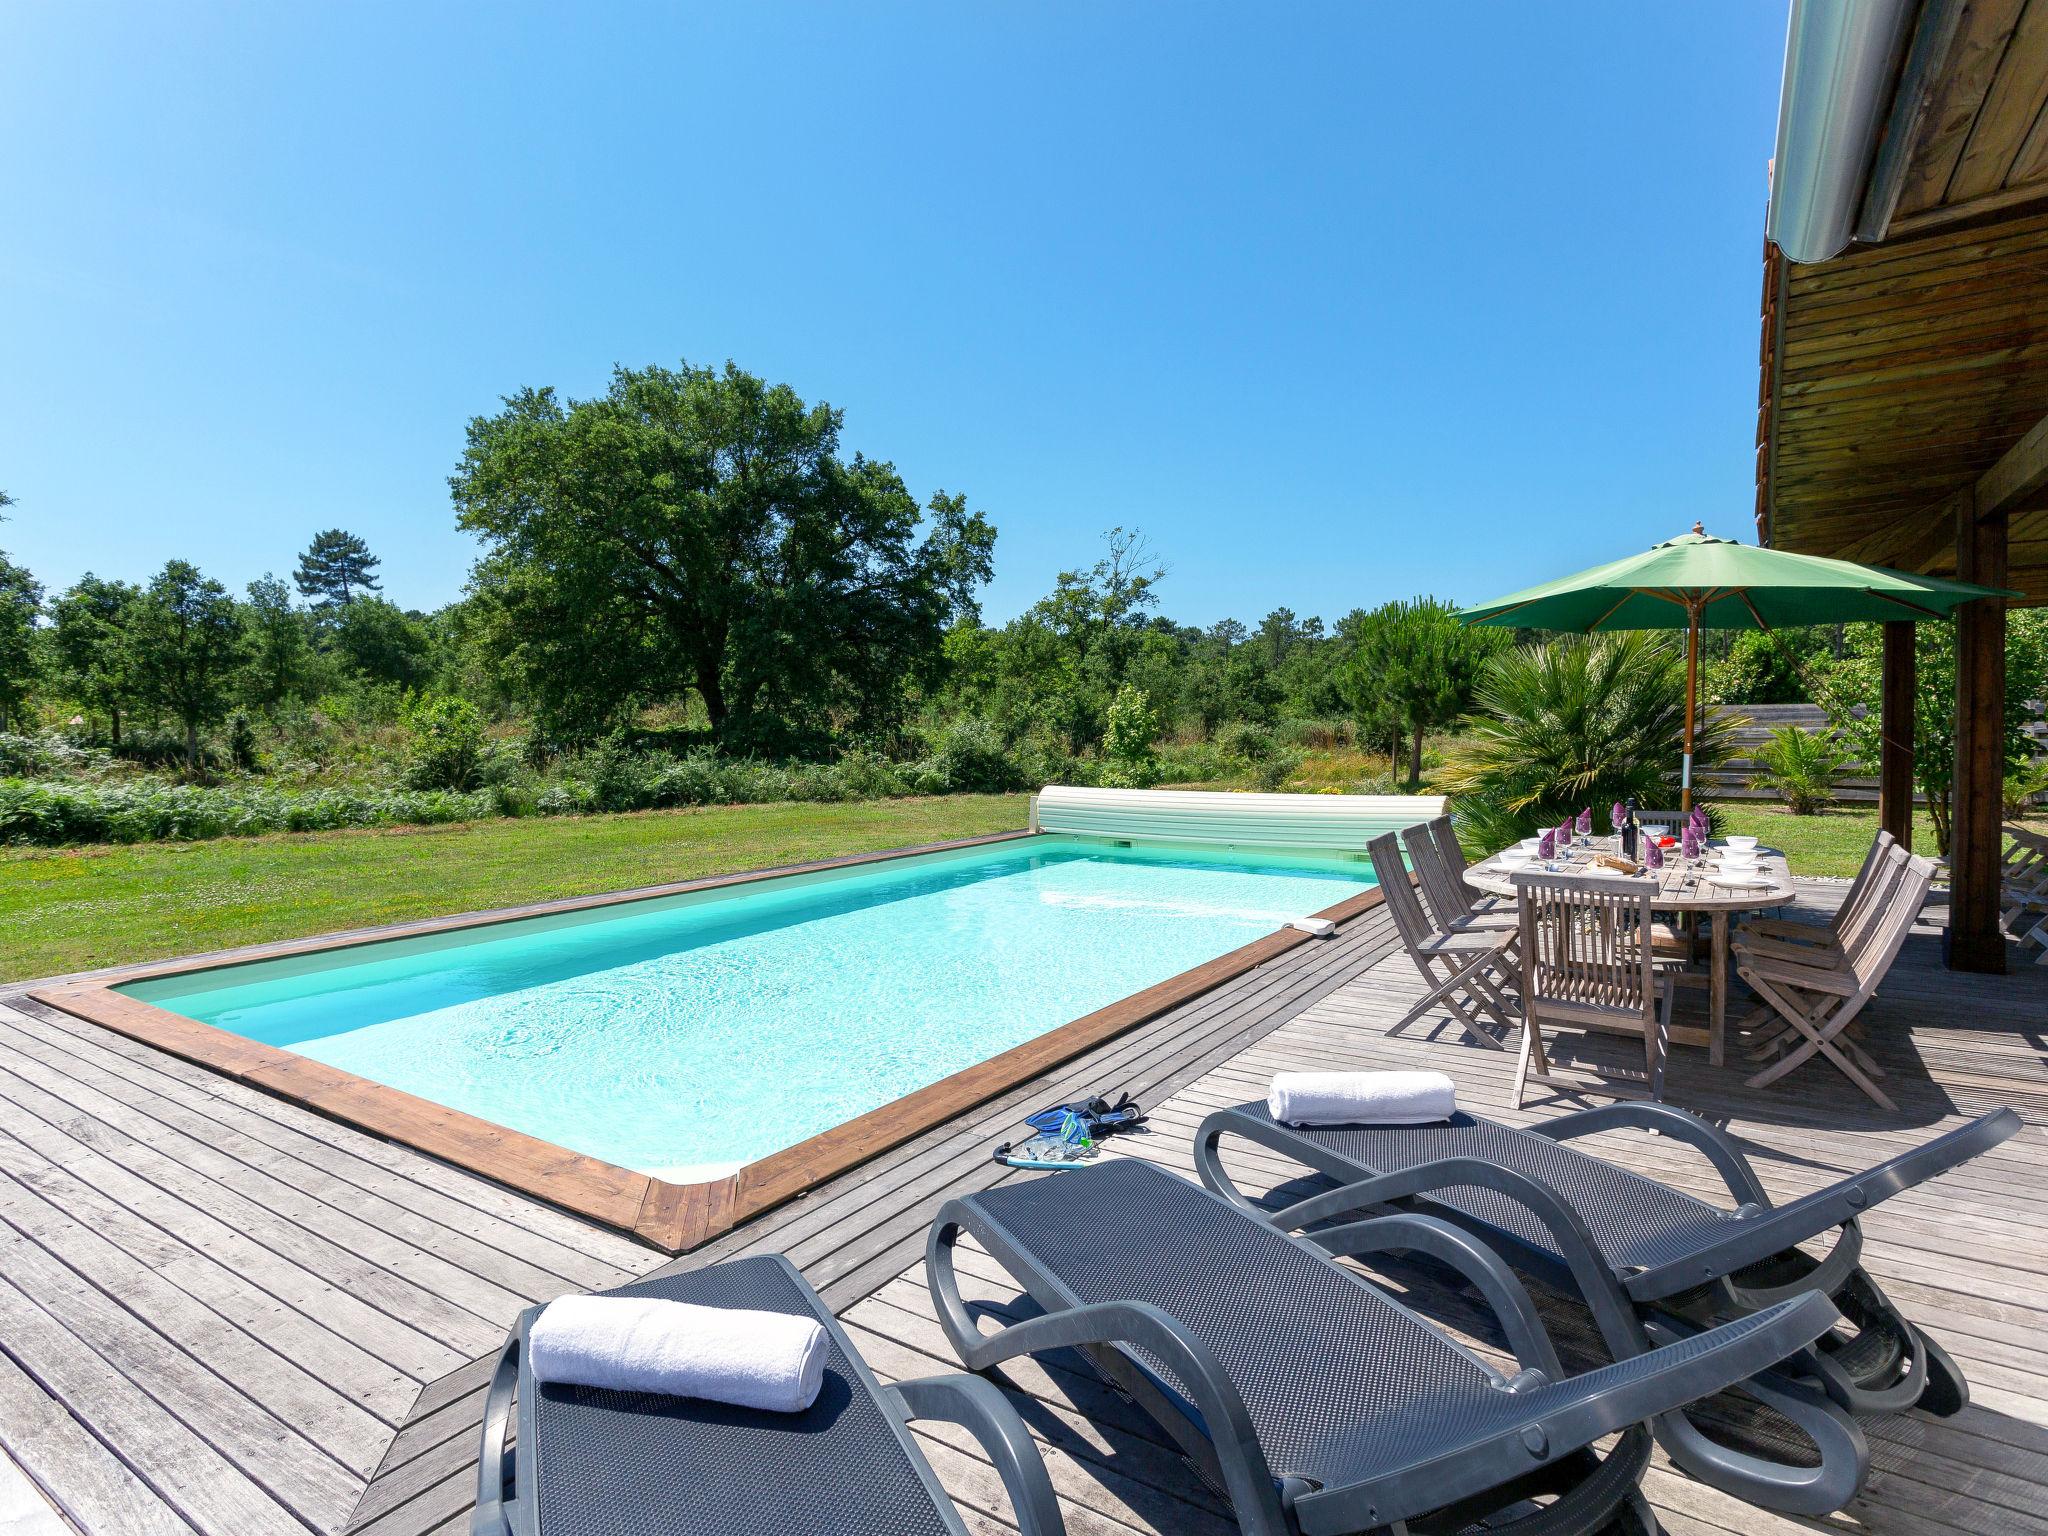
(1911, 371)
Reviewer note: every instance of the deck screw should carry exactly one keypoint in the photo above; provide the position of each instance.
(1537, 1442)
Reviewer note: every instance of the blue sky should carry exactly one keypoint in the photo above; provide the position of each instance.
(1337, 302)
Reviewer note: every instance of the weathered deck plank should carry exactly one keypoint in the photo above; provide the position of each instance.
(221, 1311)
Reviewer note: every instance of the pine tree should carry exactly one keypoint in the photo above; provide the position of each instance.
(335, 567)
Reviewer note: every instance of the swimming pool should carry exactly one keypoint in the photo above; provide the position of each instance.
(686, 1036)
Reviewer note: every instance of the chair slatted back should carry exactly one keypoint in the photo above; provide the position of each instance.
(2026, 863)
(1441, 886)
(1586, 943)
(1879, 943)
(1452, 852)
(1409, 918)
(1866, 895)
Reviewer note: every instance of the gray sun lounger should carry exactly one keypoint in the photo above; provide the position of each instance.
(1310, 1397)
(1651, 1262)
(590, 1462)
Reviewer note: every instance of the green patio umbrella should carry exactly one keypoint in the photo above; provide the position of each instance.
(1696, 582)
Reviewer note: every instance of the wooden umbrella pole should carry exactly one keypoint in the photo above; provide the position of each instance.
(1692, 670)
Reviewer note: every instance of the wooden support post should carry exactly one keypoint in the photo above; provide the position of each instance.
(1974, 940)
(1895, 755)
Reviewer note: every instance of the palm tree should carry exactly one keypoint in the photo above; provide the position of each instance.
(1800, 768)
(1573, 725)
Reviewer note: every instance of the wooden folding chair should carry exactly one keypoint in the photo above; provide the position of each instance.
(2023, 906)
(1452, 852)
(1451, 908)
(1588, 962)
(1817, 995)
(1466, 972)
(1846, 919)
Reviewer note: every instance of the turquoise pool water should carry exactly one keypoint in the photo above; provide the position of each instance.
(682, 1036)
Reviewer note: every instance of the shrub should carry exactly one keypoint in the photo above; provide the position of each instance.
(1320, 735)
(1800, 768)
(156, 748)
(444, 742)
(2024, 787)
(1196, 762)
(1246, 742)
(242, 741)
(1756, 670)
(970, 755)
(1274, 771)
(1129, 762)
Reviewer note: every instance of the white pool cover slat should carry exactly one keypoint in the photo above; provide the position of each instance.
(1327, 823)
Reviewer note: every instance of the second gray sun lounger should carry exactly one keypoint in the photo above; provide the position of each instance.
(1652, 1262)
(1310, 1397)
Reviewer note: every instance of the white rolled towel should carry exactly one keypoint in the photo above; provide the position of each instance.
(765, 1360)
(1361, 1098)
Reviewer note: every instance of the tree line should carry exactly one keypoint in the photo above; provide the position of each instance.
(694, 543)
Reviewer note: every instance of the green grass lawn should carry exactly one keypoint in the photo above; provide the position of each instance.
(74, 909)
(1831, 843)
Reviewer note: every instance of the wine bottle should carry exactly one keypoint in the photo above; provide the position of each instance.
(1629, 830)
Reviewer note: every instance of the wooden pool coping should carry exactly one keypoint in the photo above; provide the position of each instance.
(670, 1216)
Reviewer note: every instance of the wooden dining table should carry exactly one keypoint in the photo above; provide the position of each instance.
(1686, 889)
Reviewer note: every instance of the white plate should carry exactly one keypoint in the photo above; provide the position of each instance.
(1735, 882)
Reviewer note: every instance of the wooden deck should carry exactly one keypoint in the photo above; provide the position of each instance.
(221, 1313)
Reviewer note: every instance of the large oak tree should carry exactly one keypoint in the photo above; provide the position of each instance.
(695, 529)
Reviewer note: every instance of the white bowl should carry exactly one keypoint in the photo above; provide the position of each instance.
(1740, 863)
(1514, 858)
(1657, 832)
(1529, 845)
(1740, 844)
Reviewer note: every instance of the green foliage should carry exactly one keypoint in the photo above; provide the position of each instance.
(1853, 698)
(444, 742)
(1413, 668)
(242, 741)
(21, 597)
(1574, 725)
(381, 643)
(697, 529)
(969, 755)
(282, 661)
(53, 814)
(1801, 768)
(1129, 762)
(187, 647)
(2025, 786)
(90, 635)
(51, 756)
(335, 568)
(1756, 670)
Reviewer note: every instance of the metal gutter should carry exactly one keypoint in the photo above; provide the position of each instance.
(1841, 61)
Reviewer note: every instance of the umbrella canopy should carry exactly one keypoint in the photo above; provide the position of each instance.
(1696, 582)
(1729, 586)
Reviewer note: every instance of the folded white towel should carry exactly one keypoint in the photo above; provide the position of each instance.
(765, 1360)
(1361, 1098)
(1318, 927)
